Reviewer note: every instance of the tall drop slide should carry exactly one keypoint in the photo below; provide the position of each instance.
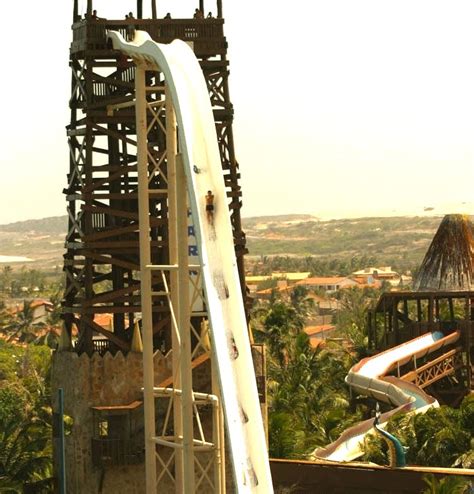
(228, 327)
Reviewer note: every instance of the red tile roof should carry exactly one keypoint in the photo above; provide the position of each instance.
(322, 328)
(326, 280)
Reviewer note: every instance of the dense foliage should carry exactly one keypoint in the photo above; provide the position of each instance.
(25, 418)
(309, 403)
(440, 437)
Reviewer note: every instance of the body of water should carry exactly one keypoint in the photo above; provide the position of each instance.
(8, 259)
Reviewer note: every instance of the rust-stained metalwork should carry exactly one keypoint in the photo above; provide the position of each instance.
(449, 261)
(102, 258)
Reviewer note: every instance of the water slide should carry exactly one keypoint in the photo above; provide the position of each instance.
(228, 326)
(369, 377)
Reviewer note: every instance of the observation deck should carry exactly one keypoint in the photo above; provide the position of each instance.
(207, 35)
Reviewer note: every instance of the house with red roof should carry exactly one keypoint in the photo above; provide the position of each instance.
(328, 284)
(318, 334)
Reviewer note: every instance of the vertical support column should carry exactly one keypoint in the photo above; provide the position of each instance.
(451, 309)
(430, 313)
(184, 328)
(86, 343)
(171, 150)
(75, 14)
(396, 332)
(62, 447)
(467, 339)
(145, 258)
(218, 433)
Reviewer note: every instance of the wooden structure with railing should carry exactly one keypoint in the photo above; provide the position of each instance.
(400, 316)
(102, 258)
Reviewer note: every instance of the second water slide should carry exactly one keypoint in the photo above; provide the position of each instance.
(369, 377)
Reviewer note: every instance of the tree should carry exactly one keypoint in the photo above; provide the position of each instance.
(308, 399)
(22, 325)
(280, 324)
(25, 419)
(352, 318)
(6, 278)
(439, 437)
(25, 453)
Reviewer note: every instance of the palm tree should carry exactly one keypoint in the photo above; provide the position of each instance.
(279, 326)
(25, 454)
(301, 301)
(22, 325)
(440, 437)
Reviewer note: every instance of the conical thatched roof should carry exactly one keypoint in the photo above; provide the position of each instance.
(449, 261)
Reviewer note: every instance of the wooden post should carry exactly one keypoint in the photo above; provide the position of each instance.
(87, 343)
(219, 9)
(139, 9)
(153, 9)
(430, 313)
(201, 6)
(419, 316)
(395, 321)
(89, 8)
(407, 318)
(75, 12)
(451, 309)
(385, 329)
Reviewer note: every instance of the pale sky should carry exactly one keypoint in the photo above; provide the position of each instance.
(342, 107)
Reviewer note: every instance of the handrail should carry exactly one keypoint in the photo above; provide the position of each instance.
(92, 34)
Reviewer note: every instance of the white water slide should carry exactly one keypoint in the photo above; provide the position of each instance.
(229, 333)
(368, 377)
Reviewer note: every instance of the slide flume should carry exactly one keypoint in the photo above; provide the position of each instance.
(228, 326)
(368, 377)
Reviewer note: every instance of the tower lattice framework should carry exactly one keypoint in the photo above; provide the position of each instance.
(102, 247)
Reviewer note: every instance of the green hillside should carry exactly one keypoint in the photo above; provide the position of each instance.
(390, 241)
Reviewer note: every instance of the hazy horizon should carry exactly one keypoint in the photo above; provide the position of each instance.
(342, 109)
(432, 212)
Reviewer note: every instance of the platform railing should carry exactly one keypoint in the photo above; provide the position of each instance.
(445, 365)
(92, 34)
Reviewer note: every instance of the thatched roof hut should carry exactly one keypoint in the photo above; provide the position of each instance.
(449, 261)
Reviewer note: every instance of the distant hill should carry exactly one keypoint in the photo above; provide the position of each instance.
(51, 225)
(282, 218)
(396, 241)
(41, 240)
(388, 239)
